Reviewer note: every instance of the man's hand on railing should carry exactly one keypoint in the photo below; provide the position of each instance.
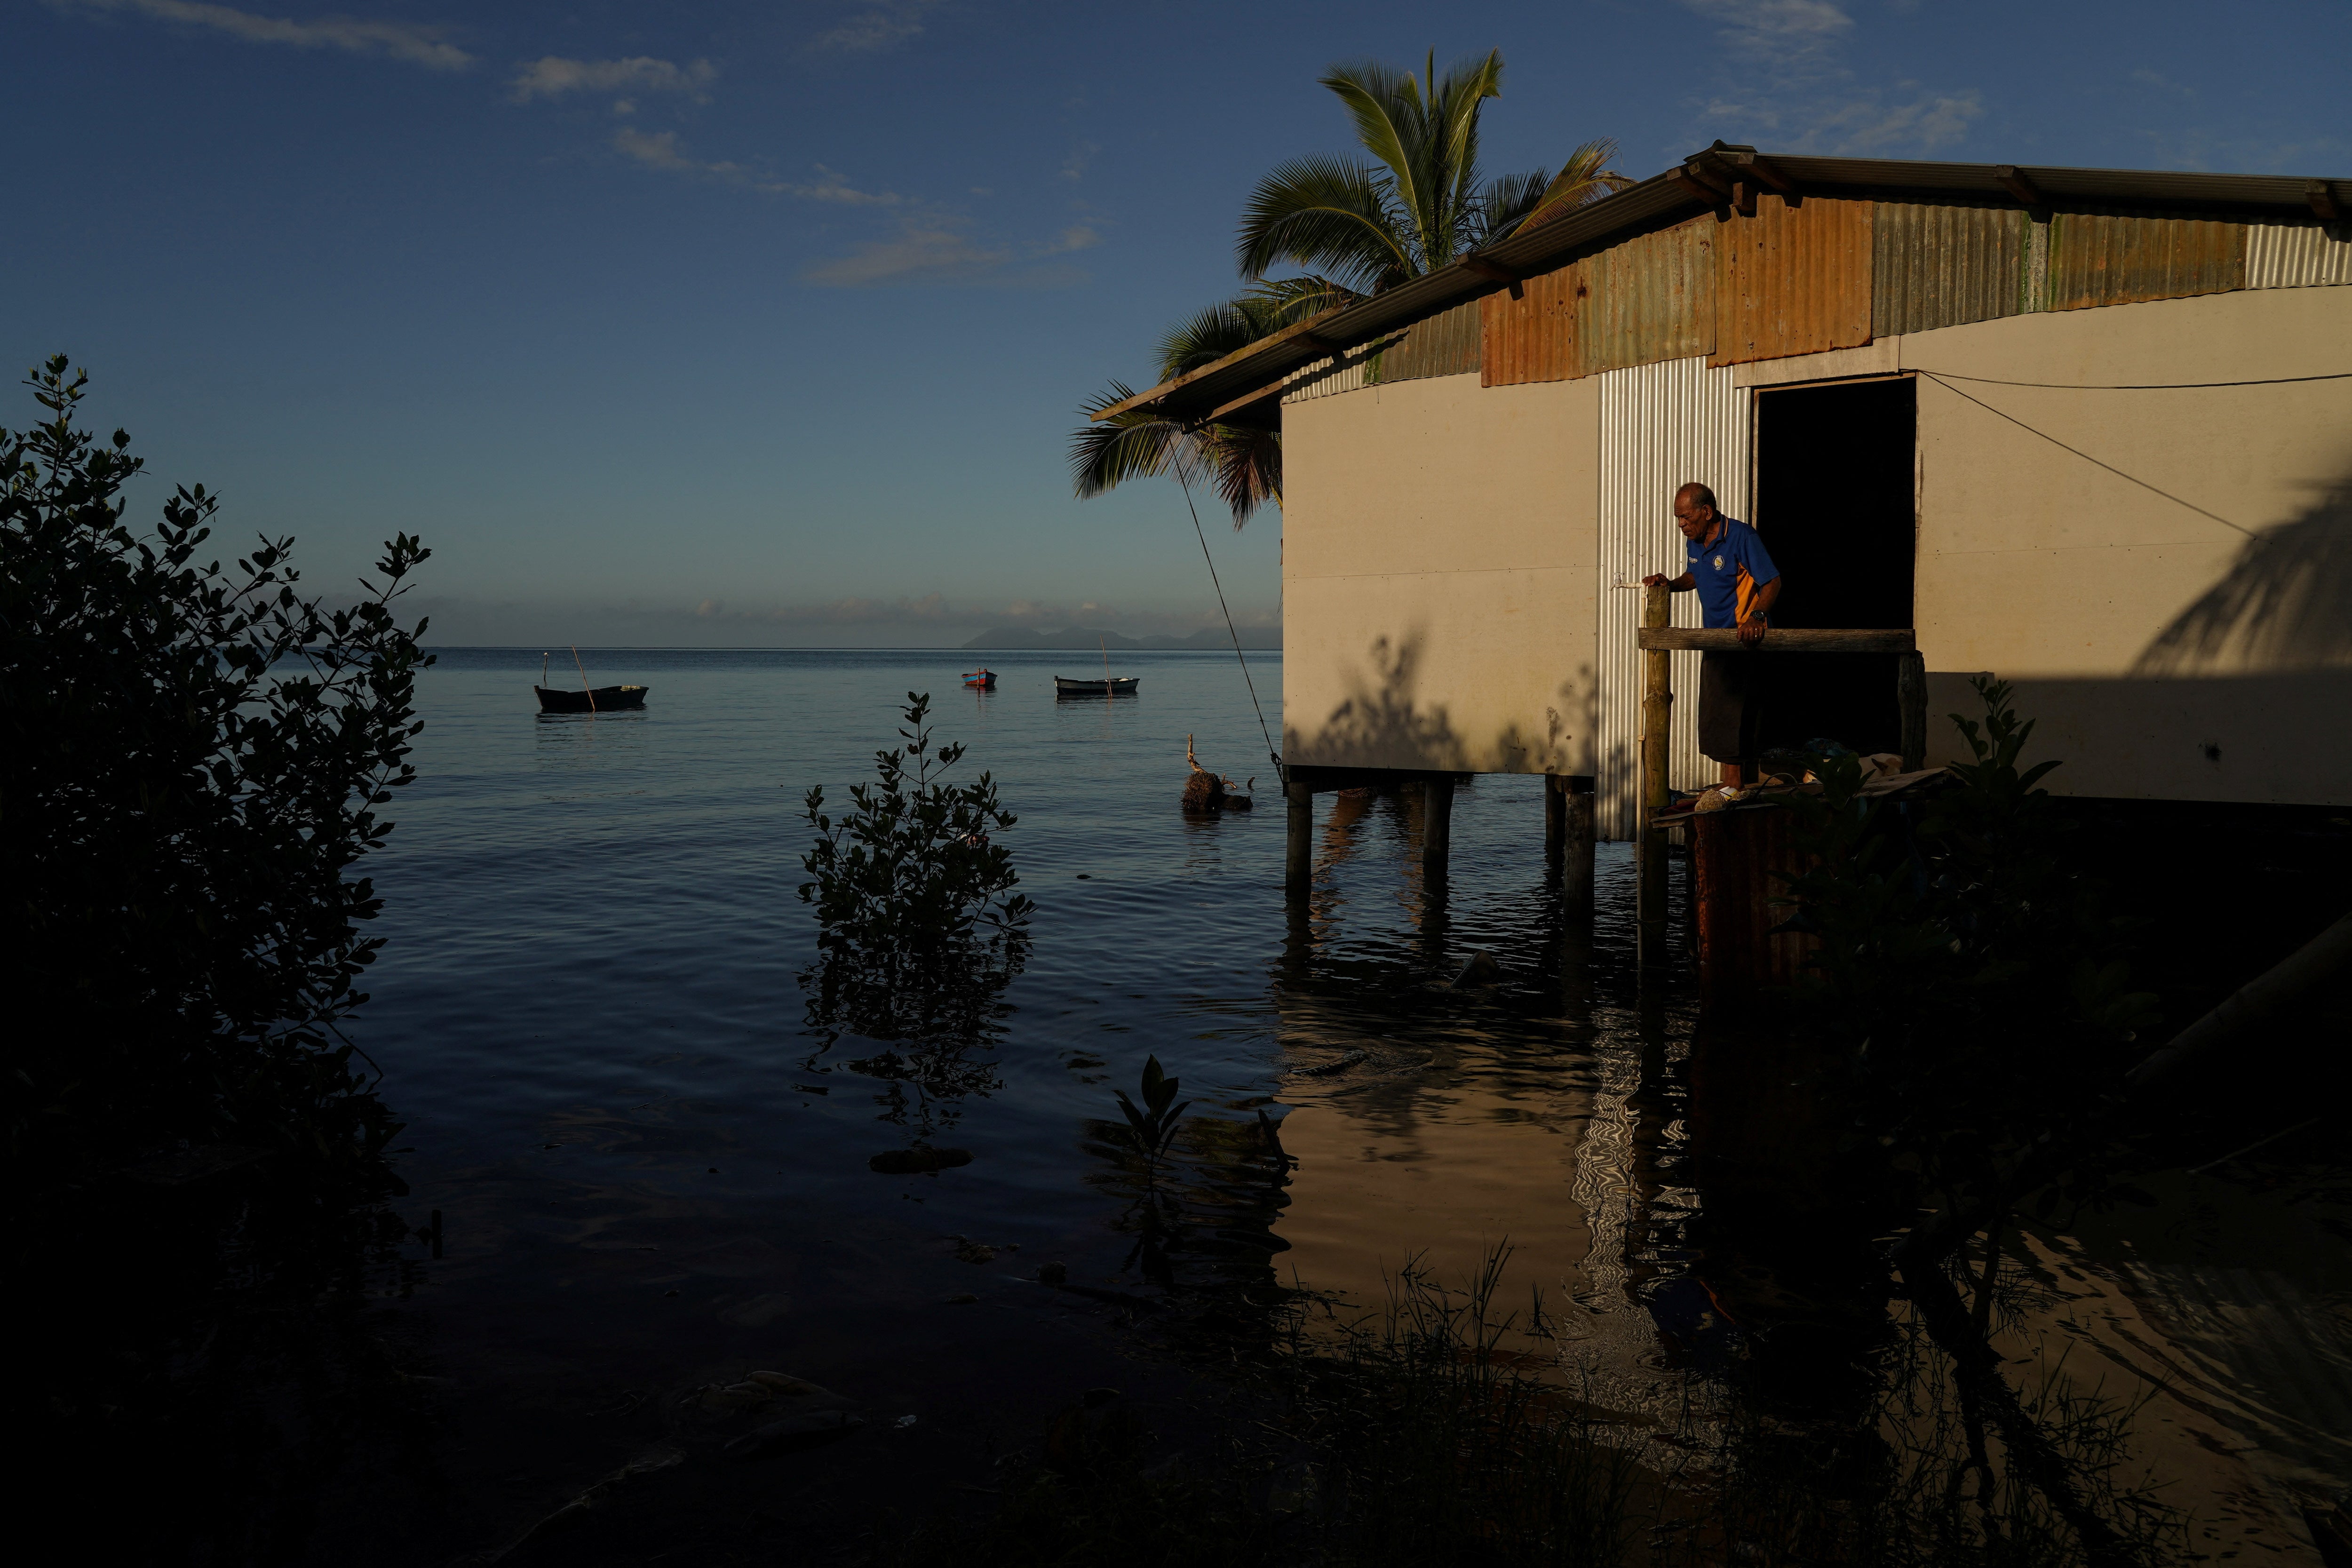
(1751, 631)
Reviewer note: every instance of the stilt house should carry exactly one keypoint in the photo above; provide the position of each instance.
(2090, 430)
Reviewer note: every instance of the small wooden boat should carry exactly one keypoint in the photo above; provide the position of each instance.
(1113, 686)
(981, 679)
(602, 700)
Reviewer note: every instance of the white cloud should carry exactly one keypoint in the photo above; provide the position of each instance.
(1077, 237)
(416, 44)
(1866, 127)
(553, 76)
(832, 188)
(662, 150)
(1074, 165)
(1789, 37)
(928, 248)
(659, 150)
(878, 26)
(1804, 96)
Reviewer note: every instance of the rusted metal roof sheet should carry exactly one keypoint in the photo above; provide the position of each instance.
(1793, 280)
(2120, 258)
(1670, 197)
(1530, 332)
(1944, 265)
(1651, 299)
(1445, 344)
(1646, 301)
(2298, 255)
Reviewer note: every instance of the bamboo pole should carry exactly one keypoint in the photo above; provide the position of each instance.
(583, 678)
(1650, 844)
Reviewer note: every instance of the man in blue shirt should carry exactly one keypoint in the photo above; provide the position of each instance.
(1738, 585)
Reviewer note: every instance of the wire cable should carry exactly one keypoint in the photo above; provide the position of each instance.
(1936, 377)
(1203, 534)
(2141, 386)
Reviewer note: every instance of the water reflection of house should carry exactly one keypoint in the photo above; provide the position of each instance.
(2060, 421)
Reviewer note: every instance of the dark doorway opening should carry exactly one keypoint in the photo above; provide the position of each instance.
(1834, 500)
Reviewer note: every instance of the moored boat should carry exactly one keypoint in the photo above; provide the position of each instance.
(1111, 685)
(981, 679)
(601, 699)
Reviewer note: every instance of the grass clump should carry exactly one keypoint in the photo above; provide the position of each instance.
(1414, 1435)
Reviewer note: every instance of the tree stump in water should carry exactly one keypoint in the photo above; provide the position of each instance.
(1205, 791)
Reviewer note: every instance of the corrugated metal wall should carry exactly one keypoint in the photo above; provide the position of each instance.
(1445, 344)
(1533, 337)
(2301, 255)
(2109, 258)
(1944, 266)
(1345, 373)
(1661, 425)
(1793, 280)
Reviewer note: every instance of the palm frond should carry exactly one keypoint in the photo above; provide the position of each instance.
(1584, 179)
(1137, 445)
(1325, 214)
(1385, 104)
(1210, 334)
(1454, 110)
(1290, 300)
(1247, 465)
(1503, 203)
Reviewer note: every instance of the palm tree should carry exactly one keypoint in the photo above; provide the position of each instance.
(1357, 228)
(1243, 464)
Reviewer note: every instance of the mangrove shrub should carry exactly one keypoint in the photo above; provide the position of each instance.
(191, 759)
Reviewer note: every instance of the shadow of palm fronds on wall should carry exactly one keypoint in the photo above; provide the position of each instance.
(2286, 603)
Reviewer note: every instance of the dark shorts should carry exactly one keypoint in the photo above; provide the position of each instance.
(1730, 705)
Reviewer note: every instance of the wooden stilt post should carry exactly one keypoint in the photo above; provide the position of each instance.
(1911, 703)
(1555, 818)
(1299, 848)
(1576, 857)
(1436, 830)
(1650, 845)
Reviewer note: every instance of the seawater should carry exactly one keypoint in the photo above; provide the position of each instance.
(588, 1011)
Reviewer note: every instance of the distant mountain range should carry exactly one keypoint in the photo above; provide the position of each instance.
(1079, 640)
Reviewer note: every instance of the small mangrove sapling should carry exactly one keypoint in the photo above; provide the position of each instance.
(918, 927)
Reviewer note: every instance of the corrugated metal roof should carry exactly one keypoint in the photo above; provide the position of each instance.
(1665, 198)
(1530, 333)
(2299, 255)
(1350, 372)
(1445, 344)
(1652, 297)
(1944, 265)
(1793, 280)
(2120, 258)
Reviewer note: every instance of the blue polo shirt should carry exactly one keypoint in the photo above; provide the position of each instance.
(1727, 573)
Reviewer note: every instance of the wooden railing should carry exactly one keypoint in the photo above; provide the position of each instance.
(1656, 639)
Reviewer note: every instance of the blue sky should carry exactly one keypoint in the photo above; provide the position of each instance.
(766, 324)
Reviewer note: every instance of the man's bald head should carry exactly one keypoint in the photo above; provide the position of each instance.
(1694, 511)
